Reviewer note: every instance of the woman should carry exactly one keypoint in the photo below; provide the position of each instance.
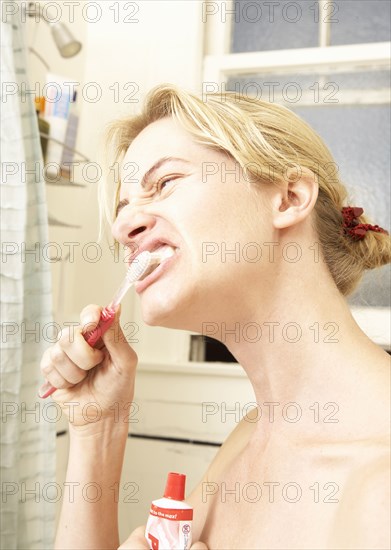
(237, 172)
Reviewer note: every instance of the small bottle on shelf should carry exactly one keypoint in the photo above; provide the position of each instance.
(70, 135)
(43, 125)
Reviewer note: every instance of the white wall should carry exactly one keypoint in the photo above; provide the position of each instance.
(165, 45)
(160, 42)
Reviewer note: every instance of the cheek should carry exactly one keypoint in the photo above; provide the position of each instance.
(222, 217)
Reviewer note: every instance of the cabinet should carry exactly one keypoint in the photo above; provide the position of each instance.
(181, 415)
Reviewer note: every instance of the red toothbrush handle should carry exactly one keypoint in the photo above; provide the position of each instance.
(106, 318)
(92, 337)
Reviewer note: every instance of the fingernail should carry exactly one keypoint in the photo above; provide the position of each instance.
(45, 390)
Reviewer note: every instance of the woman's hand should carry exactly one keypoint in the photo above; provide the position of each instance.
(93, 384)
(137, 541)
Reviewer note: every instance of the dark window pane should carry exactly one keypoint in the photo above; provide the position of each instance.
(359, 139)
(374, 289)
(360, 21)
(263, 25)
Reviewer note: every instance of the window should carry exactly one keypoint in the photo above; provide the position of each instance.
(329, 62)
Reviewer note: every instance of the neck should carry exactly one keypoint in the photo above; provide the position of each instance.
(307, 359)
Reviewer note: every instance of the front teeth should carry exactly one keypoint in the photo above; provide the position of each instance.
(162, 253)
(157, 257)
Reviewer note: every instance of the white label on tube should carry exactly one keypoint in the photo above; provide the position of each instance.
(169, 528)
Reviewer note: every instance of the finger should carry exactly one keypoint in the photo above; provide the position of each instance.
(90, 315)
(65, 366)
(59, 370)
(57, 380)
(136, 541)
(53, 377)
(77, 349)
(117, 345)
(199, 546)
(90, 319)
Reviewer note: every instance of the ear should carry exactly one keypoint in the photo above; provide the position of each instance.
(295, 197)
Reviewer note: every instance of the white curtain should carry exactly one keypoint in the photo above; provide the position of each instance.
(28, 483)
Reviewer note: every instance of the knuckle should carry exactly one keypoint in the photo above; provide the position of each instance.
(90, 314)
(66, 337)
(46, 364)
(55, 379)
(46, 368)
(56, 354)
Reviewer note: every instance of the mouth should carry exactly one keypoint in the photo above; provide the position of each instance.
(162, 255)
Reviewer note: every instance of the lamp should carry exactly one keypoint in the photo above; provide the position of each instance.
(67, 45)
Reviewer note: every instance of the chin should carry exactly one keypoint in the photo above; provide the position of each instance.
(165, 319)
(160, 310)
(170, 310)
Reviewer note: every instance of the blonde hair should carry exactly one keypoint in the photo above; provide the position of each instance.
(260, 136)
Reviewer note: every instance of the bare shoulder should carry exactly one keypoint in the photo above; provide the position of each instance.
(232, 446)
(363, 519)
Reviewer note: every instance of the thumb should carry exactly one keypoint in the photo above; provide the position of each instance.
(116, 343)
(199, 546)
(136, 541)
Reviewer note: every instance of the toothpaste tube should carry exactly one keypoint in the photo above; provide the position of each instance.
(169, 525)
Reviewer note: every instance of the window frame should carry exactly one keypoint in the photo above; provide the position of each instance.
(220, 64)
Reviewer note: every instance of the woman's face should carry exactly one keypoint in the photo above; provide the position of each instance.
(195, 200)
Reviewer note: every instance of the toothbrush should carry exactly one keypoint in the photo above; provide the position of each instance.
(137, 269)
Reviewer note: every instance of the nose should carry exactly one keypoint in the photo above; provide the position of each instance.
(131, 226)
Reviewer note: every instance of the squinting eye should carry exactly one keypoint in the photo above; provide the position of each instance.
(162, 184)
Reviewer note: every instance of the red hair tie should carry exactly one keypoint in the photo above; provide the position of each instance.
(355, 229)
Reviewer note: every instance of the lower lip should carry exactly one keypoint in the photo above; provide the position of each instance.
(140, 286)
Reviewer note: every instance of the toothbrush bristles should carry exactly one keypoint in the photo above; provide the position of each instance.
(139, 266)
(137, 270)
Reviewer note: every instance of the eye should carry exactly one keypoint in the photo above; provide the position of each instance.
(165, 182)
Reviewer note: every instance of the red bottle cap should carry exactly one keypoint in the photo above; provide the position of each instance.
(175, 486)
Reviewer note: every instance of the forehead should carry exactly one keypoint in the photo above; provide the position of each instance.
(163, 138)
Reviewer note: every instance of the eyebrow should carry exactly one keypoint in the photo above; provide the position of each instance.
(146, 179)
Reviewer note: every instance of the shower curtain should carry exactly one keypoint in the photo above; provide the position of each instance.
(29, 490)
